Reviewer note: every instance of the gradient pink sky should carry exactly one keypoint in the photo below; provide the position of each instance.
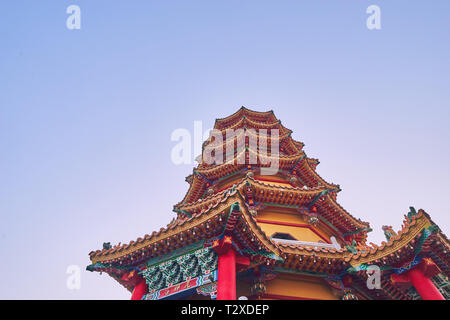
(86, 115)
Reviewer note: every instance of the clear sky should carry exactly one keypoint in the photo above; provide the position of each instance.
(86, 115)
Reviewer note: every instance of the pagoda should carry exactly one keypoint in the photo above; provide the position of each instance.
(247, 229)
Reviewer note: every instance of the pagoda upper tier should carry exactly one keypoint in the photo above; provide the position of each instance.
(247, 125)
(254, 145)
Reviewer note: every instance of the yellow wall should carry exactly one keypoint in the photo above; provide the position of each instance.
(282, 214)
(299, 287)
(274, 177)
(237, 178)
(300, 233)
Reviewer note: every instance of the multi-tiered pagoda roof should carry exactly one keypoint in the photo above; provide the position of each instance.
(235, 200)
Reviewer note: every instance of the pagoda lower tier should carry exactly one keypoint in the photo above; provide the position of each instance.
(240, 232)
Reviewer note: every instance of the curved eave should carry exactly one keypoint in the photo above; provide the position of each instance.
(218, 171)
(332, 262)
(261, 239)
(257, 125)
(160, 237)
(304, 258)
(264, 116)
(409, 231)
(207, 176)
(338, 216)
(303, 250)
(285, 141)
(151, 246)
(305, 167)
(329, 209)
(279, 192)
(404, 245)
(197, 187)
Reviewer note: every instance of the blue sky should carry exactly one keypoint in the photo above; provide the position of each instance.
(86, 115)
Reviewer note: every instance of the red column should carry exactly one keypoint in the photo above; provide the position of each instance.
(420, 277)
(423, 285)
(226, 278)
(139, 290)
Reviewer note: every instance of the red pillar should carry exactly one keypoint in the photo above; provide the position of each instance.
(420, 277)
(423, 285)
(226, 278)
(139, 290)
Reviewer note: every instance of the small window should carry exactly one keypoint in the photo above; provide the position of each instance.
(284, 236)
